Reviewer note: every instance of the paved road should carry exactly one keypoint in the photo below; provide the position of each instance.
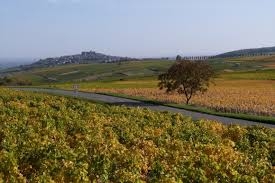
(135, 103)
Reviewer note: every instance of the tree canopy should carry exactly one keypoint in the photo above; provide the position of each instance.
(187, 78)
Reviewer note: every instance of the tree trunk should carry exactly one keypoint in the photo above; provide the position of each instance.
(187, 101)
(188, 98)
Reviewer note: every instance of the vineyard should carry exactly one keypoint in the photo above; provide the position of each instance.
(248, 97)
(55, 139)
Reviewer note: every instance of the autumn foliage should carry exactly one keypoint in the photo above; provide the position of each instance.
(55, 139)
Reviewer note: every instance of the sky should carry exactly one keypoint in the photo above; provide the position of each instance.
(134, 28)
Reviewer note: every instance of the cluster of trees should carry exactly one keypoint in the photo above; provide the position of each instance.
(11, 81)
(187, 78)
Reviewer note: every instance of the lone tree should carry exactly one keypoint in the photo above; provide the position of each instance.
(187, 78)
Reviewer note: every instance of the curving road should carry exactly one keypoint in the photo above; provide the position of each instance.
(136, 103)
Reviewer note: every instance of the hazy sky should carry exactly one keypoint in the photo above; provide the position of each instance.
(137, 28)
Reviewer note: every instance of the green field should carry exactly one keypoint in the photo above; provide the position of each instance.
(243, 63)
(144, 74)
(95, 72)
(230, 68)
(250, 75)
(46, 138)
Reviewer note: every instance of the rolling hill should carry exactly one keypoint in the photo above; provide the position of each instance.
(249, 52)
(93, 72)
(93, 66)
(82, 58)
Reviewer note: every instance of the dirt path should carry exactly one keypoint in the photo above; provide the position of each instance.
(135, 103)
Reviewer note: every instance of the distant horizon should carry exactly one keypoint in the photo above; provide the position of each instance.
(138, 29)
(30, 59)
(14, 59)
(98, 51)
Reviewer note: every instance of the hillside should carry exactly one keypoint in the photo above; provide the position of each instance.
(82, 58)
(53, 71)
(94, 71)
(249, 52)
(128, 70)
